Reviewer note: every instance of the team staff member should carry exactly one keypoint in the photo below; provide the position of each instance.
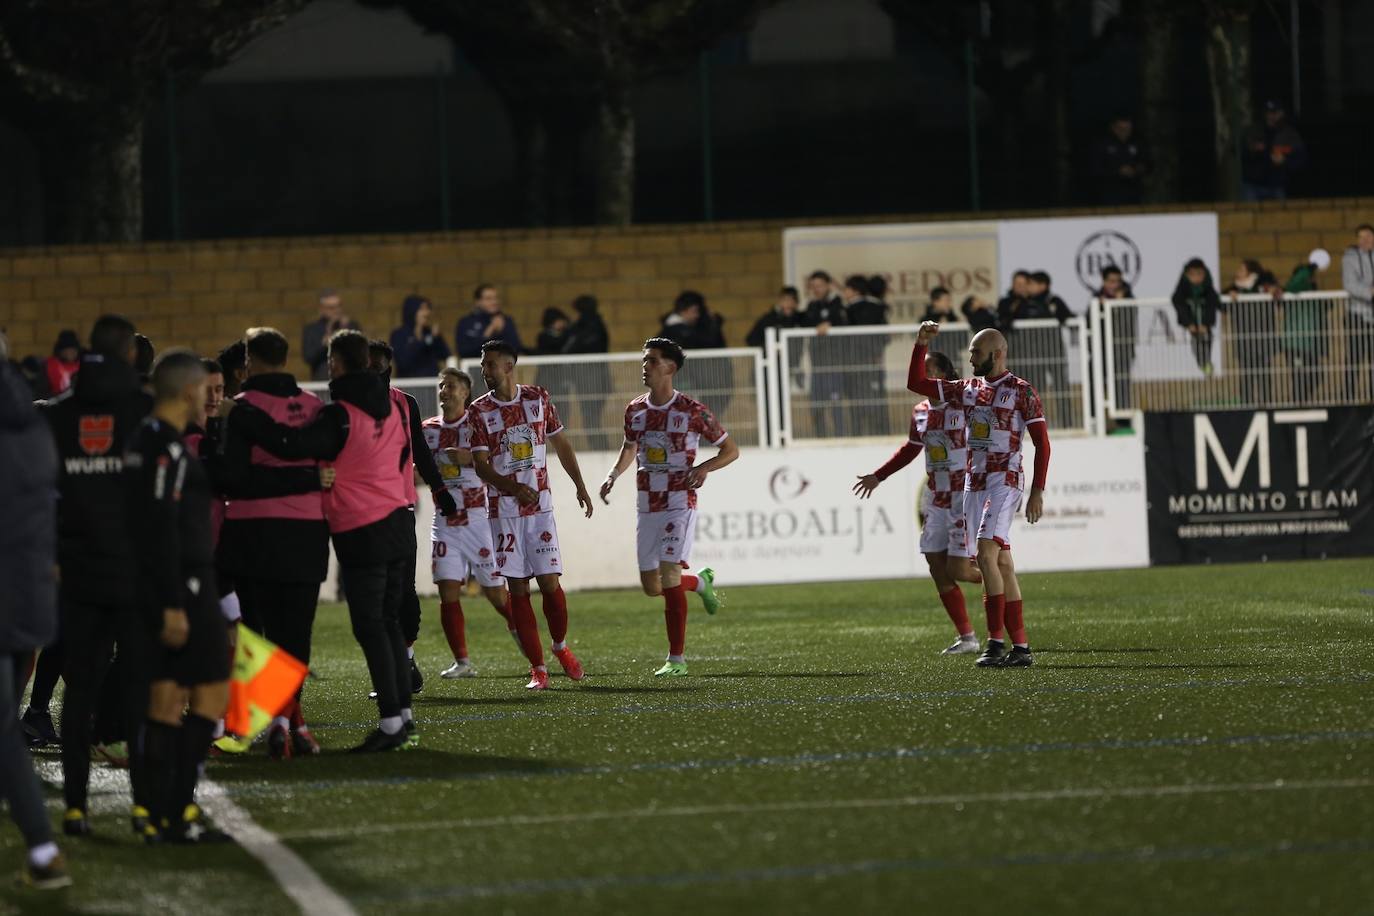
(275, 542)
(169, 500)
(422, 462)
(362, 433)
(92, 422)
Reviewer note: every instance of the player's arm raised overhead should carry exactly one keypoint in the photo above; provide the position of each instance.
(1039, 433)
(622, 464)
(916, 380)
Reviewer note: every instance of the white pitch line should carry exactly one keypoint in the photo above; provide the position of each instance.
(906, 801)
(297, 879)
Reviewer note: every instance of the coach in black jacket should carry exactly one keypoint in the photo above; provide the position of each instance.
(92, 423)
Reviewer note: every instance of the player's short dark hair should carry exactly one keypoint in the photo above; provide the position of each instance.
(176, 369)
(1109, 270)
(688, 298)
(233, 357)
(820, 275)
(458, 374)
(497, 345)
(669, 348)
(938, 292)
(790, 291)
(211, 366)
(877, 286)
(350, 348)
(945, 364)
(481, 288)
(1040, 276)
(145, 354)
(267, 346)
(858, 283)
(112, 335)
(1020, 273)
(1363, 227)
(380, 356)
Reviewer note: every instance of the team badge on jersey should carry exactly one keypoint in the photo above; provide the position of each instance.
(95, 433)
(655, 450)
(520, 445)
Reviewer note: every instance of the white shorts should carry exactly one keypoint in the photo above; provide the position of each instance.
(526, 545)
(990, 512)
(665, 537)
(455, 550)
(946, 530)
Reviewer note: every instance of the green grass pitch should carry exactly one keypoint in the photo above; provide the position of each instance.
(1191, 740)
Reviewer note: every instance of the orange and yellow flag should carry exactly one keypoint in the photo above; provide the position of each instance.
(265, 679)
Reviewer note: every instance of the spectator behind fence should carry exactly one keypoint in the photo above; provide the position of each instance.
(1123, 320)
(1274, 152)
(824, 311)
(60, 368)
(941, 307)
(1119, 163)
(1306, 326)
(1357, 276)
(1042, 361)
(485, 322)
(1014, 300)
(691, 325)
(865, 389)
(1253, 328)
(592, 380)
(1197, 304)
(553, 336)
(978, 312)
(420, 350)
(824, 308)
(785, 313)
(315, 335)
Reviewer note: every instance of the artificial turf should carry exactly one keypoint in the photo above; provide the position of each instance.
(1190, 740)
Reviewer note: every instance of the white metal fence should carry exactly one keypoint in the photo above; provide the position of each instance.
(1308, 348)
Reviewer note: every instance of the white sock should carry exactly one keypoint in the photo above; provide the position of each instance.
(560, 646)
(281, 722)
(968, 637)
(392, 724)
(41, 856)
(1021, 645)
(410, 651)
(701, 585)
(219, 729)
(407, 715)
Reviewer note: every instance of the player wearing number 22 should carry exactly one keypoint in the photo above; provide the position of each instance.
(511, 426)
(999, 410)
(662, 430)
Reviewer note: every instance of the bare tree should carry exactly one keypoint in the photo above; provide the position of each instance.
(79, 75)
(1228, 71)
(1159, 96)
(590, 53)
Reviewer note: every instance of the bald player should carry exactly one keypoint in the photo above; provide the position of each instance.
(1000, 410)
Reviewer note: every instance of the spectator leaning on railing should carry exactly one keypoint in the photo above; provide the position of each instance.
(785, 313)
(941, 307)
(1197, 304)
(1357, 276)
(1252, 330)
(588, 334)
(1123, 328)
(864, 388)
(1306, 326)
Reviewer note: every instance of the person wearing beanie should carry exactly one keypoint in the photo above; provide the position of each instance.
(418, 346)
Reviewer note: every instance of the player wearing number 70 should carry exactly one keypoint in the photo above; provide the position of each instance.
(999, 410)
(662, 429)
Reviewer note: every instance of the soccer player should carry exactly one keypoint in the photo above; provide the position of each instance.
(938, 427)
(999, 409)
(512, 426)
(462, 541)
(188, 658)
(662, 430)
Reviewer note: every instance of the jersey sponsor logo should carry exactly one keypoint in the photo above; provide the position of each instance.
(484, 553)
(519, 443)
(545, 536)
(669, 527)
(980, 427)
(104, 464)
(95, 433)
(655, 450)
(937, 454)
(492, 420)
(677, 421)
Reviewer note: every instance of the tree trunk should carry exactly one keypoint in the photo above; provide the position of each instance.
(616, 166)
(1158, 95)
(1228, 71)
(531, 160)
(92, 174)
(1059, 86)
(1333, 54)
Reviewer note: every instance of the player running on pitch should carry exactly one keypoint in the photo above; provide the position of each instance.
(999, 409)
(662, 429)
(512, 426)
(938, 427)
(461, 542)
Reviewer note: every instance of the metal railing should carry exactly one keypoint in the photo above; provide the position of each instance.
(851, 381)
(1298, 349)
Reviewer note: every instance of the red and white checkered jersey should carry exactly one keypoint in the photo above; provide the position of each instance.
(940, 430)
(467, 488)
(515, 433)
(666, 440)
(996, 412)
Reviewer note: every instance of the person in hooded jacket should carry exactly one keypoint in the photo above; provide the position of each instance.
(1197, 304)
(363, 435)
(28, 584)
(65, 360)
(592, 381)
(419, 349)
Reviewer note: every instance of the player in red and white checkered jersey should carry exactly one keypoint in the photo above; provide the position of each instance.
(512, 426)
(461, 542)
(999, 410)
(662, 431)
(938, 428)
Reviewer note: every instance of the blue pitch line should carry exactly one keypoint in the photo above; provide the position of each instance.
(814, 759)
(827, 870)
(965, 692)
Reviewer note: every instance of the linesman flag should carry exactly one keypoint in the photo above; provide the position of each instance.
(265, 679)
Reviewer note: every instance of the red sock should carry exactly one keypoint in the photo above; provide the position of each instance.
(689, 582)
(996, 608)
(295, 715)
(675, 615)
(1016, 623)
(451, 617)
(953, 601)
(556, 614)
(522, 612)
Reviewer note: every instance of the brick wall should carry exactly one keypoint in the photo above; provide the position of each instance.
(203, 294)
